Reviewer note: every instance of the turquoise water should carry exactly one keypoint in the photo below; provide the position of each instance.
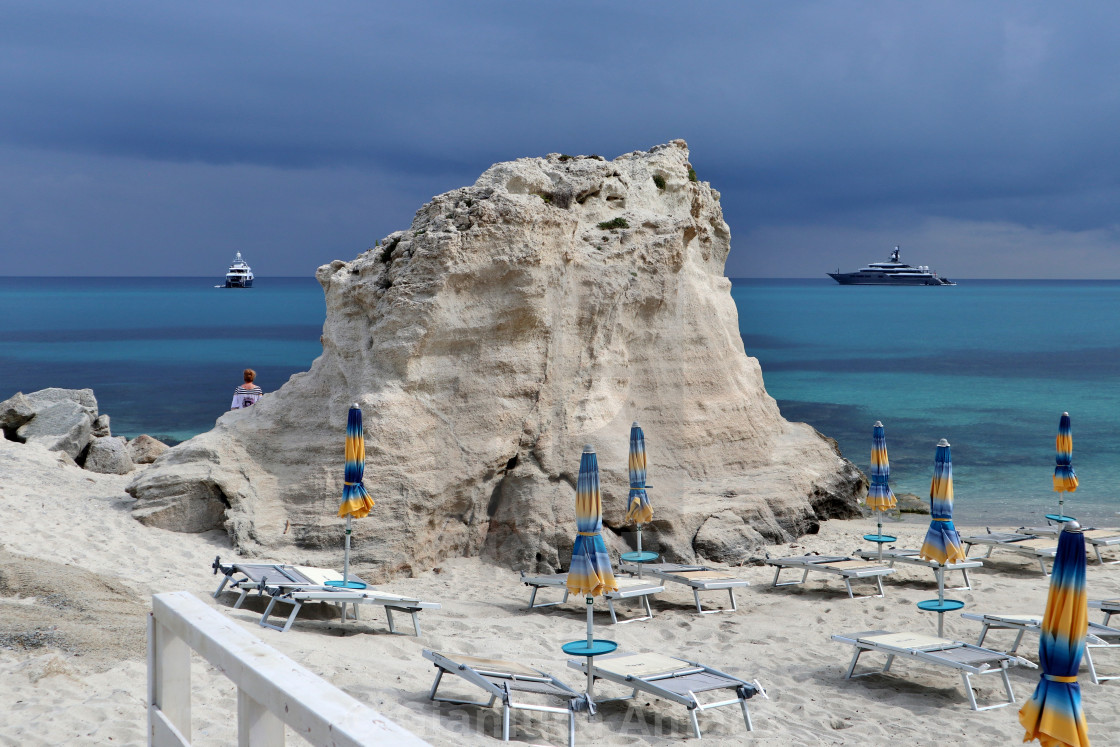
(989, 365)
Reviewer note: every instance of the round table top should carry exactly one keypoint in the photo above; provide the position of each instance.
(1059, 518)
(880, 538)
(639, 557)
(347, 584)
(940, 605)
(598, 648)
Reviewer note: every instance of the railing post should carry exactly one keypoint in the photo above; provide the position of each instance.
(169, 685)
(256, 725)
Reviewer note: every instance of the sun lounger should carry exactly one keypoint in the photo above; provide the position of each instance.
(1098, 538)
(913, 557)
(628, 588)
(1098, 636)
(673, 679)
(839, 565)
(967, 659)
(1109, 607)
(296, 585)
(697, 577)
(1040, 548)
(500, 679)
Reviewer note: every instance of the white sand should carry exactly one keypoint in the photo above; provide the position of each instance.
(67, 530)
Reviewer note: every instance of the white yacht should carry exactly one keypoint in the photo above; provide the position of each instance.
(240, 275)
(892, 272)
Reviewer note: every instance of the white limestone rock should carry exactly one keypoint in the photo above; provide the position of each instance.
(109, 455)
(547, 306)
(14, 412)
(144, 449)
(100, 427)
(47, 397)
(62, 425)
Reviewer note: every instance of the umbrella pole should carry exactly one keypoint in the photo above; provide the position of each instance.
(879, 530)
(346, 556)
(590, 644)
(639, 538)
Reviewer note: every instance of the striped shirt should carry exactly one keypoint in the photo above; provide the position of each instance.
(243, 397)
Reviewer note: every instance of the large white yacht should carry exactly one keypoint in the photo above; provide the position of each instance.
(240, 275)
(893, 272)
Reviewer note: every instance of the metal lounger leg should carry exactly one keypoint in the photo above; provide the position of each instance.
(1042, 565)
(225, 580)
(746, 713)
(989, 553)
(967, 583)
(242, 594)
(1092, 668)
(1018, 640)
(879, 582)
(610, 606)
(415, 624)
(696, 596)
(968, 691)
(778, 572)
(533, 597)
(389, 614)
(435, 685)
(649, 610)
(505, 718)
(571, 725)
(983, 634)
(731, 593)
(695, 722)
(848, 583)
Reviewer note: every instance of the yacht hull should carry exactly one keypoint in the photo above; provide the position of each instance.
(856, 278)
(239, 283)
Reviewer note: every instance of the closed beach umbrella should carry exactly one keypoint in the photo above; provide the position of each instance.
(1053, 714)
(590, 573)
(880, 497)
(638, 508)
(942, 542)
(1065, 481)
(356, 502)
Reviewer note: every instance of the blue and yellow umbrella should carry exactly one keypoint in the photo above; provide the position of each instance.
(1065, 480)
(1053, 714)
(356, 502)
(880, 497)
(942, 543)
(638, 508)
(590, 573)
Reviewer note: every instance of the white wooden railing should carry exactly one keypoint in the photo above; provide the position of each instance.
(272, 690)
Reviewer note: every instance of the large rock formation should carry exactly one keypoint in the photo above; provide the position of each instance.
(547, 306)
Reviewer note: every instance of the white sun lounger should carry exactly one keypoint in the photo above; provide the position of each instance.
(913, 557)
(296, 585)
(1109, 607)
(967, 659)
(1040, 548)
(839, 565)
(697, 577)
(673, 679)
(1098, 538)
(628, 588)
(1098, 636)
(500, 679)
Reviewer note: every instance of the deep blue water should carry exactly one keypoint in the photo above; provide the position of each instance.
(989, 365)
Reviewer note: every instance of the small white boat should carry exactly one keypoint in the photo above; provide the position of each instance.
(240, 275)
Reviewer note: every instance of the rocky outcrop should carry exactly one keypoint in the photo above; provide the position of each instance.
(547, 306)
(109, 455)
(144, 449)
(61, 426)
(100, 428)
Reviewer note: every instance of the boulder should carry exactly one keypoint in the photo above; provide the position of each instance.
(101, 427)
(63, 425)
(109, 456)
(908, 503)
(14, 412)
(144, 449)
(47, 397)
(547, 306)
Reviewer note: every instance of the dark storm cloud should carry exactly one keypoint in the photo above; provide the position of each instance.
(313, 129)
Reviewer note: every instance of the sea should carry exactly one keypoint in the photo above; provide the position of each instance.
(989, 365)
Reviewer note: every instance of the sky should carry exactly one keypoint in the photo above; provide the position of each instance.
(157, 138)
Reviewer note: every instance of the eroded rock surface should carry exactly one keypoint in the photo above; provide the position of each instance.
(547, 306)
(109, 455)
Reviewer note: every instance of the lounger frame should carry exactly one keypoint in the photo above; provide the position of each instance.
(673, 572)
(511, 682)
(1007, 541)
(683, 695)
(1096, 542)
(930, 656)
(912, 557)
(286, 585)
(558, 580)
(1098, 636)
(819, 563)
(1109, 607)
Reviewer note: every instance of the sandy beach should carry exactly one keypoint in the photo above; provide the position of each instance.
(77, 574)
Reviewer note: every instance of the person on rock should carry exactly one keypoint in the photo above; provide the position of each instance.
(248, 393)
